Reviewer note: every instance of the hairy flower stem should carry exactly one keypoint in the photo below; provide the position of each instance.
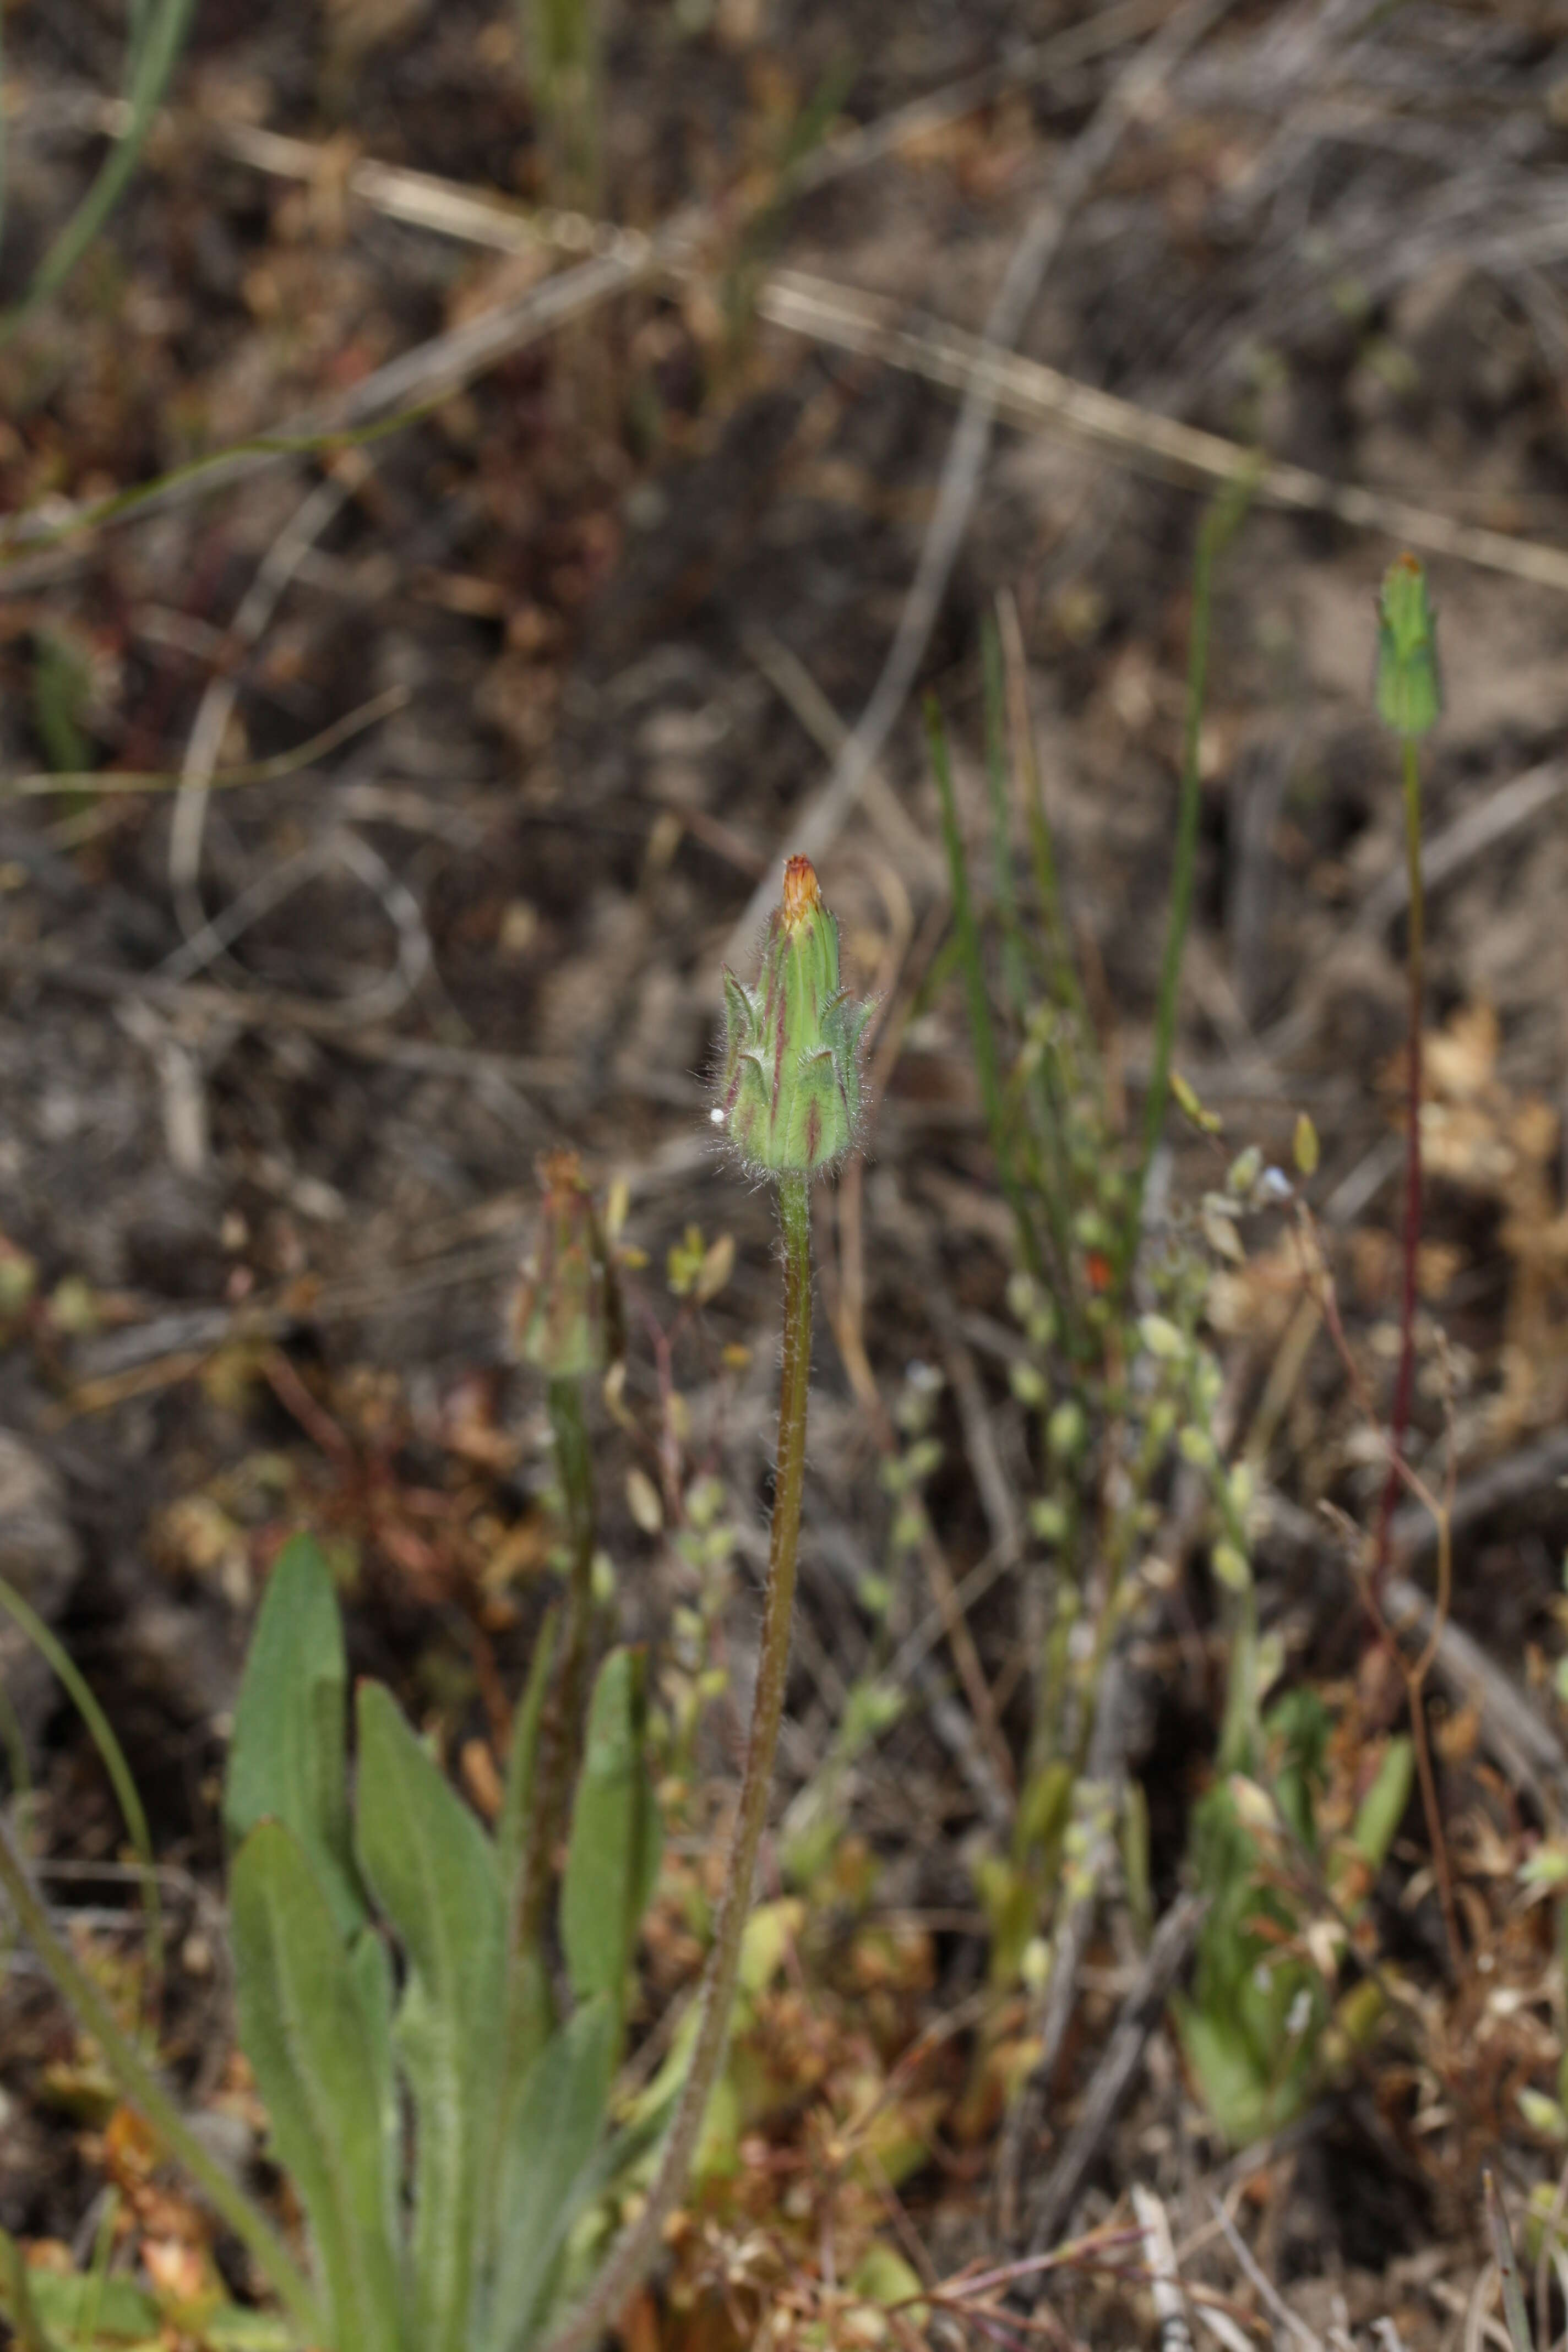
(1405, 1381)
(634, 2255)
(142, 2090)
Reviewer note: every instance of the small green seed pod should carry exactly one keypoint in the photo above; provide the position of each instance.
(1409, 688)
(789, 1095)
(565, 1313)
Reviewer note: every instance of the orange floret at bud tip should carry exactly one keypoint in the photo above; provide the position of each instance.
(789, 1093)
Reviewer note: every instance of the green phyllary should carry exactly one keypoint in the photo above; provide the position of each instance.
(789, 1097)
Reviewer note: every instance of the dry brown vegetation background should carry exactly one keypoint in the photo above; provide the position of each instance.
(376, 814)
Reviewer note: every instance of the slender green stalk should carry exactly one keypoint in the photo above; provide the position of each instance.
(1507, 2263)
(156, 47)
(981, 1028)
(25, 534)
(1040, 1083)
(30, 2332)
(1219, 523)
(1415, 959)
(1013, 963)
(564, 40)
(638, 2247)
(101, 1733)
(143, 2091)
(560, 1728)
(1063, 971)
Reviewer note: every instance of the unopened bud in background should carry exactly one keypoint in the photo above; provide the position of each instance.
(790, 1092)
(1409, 688)
(565, 1312)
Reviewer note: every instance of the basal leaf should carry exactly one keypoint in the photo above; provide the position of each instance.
(433, 1873)
(547, 2168)
(308, 2031)
(612, 1859)
(286, 1759)
(119, 2310)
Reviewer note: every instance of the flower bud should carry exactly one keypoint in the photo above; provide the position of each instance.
(565, 1314)
(790, 1091)
(1409, 690)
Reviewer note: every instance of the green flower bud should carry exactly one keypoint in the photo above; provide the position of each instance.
(565, 1313)
(789, 1097)
(1409, 689)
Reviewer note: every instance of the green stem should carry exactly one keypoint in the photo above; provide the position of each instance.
(29, 2329)
(560, 1730)
(143, 2092)
(154, 61)
(59, 1659)
(559, 1739)
(638, 2246)
(1219, 523)
(1405, 1381)
(966, 932)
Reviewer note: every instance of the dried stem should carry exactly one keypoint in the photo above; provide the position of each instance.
(638, 2246)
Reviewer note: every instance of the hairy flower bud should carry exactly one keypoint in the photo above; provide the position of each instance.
(565, 1313)
(1409, 689)
(789, 1095)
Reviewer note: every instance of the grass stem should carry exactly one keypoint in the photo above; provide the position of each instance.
(1219, 524)
(966, 934)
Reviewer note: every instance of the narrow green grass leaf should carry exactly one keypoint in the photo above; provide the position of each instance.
(612, 1858)
(101, 1733)
(1014, 963)
(433, 1873)
(982, 1030)
(17, 2301)
(320, 2060)
(1221, 521)
(286, 1761)
(155, 52)
(1507, 2261)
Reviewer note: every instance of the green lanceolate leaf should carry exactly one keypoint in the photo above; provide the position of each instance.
(612, 1858)
(287, 1760)
(433, 1873)
(547, 2168)
(321, 2065)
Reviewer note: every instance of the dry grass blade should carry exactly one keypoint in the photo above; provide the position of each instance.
(1030, 393)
